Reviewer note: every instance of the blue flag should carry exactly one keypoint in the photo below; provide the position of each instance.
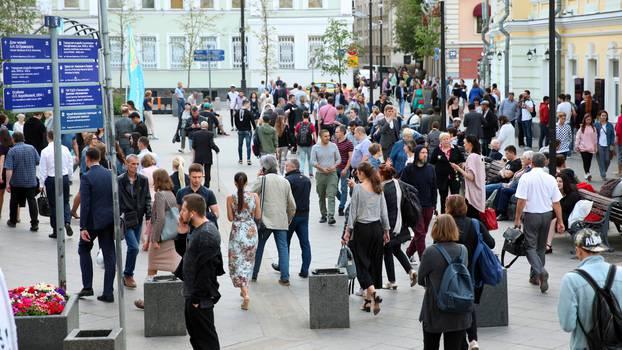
(135, 73)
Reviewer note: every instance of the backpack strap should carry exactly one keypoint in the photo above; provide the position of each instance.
(610, 277)
(443, 253)
(586, 276)
(476, 224)
(463, 255)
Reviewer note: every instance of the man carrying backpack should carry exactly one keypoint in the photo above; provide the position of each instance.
(305, 139)
(579, 302)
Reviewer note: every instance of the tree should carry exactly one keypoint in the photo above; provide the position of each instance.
(332, 55)
(194, 24)
(416, 33)
(18, 17)
(266, 41)
(125, 17)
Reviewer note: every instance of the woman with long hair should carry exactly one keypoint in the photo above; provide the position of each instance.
(453, 108)
(506, 133)
(243, 208)
(179, 177)
(282, 133)
(368, 228)
(148, 114)
(570, 197)
(586, 143)
(254, 100)
(6, 142)
(474, 173)
(606, 138)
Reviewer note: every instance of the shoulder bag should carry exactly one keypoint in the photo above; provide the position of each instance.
(169, 230)
(263, 231)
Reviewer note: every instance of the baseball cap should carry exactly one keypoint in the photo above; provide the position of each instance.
(589, 240)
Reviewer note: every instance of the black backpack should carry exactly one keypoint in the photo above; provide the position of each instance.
(410, 206)
(606, 332)
(304, 137)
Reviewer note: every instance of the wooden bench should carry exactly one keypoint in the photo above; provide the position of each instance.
(609, 209)
(493, 168)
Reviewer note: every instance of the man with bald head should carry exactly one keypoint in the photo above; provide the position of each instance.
(203, 145)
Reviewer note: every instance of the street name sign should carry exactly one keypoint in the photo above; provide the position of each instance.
(26, 48)
(27, 73)
(80, 96)
(81, 119)
(28, 98)
(79, 72)
(78, 48)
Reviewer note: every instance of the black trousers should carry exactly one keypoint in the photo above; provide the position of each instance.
(19, 197)
(367, 243)
(452, 340)
(207, 168)
(444, 188)
(232, 115)
(394, 248)
(586, 157)
(200, 326)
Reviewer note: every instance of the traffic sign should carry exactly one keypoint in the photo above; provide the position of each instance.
(81, 119)
(27, 73)
(16, 99)
(79, 72)
(80, 96)
(26, 48)
(209, 55)
(78, 48)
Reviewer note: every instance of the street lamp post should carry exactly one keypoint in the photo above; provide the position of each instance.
(243, 46)
(552, 85)
(381, 60)
(443, 87)
(371, 57)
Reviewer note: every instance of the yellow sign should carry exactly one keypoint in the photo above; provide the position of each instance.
(353, 61)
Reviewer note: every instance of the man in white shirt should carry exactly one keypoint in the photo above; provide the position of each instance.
(144, 149)
(537, 193)
(527, 108)
(564, 106)
(46, 181)
(232, 96)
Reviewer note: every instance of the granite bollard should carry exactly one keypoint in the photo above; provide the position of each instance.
(100, 339)
(164, 307)
(329, 304)
(492, 310)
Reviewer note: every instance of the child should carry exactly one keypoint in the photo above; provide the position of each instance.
(376, 155)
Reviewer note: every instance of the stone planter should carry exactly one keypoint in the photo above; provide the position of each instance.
(47, 332)
(329, 304)
(493, 308)
(100, 339)
(164, 307)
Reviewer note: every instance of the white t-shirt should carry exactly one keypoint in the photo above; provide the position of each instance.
(540, 191)
(233, 98)
(602, 136)
(525, 115)
(565, 107)
(506, 136)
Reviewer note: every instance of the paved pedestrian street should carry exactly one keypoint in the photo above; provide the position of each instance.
(278, 317)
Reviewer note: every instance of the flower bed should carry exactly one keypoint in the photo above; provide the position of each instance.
(38, 300)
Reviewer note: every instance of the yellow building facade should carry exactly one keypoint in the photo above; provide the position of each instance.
(590, 50)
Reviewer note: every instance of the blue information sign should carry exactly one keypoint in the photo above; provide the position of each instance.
(26, 48)
(78, 48)
(28, 98)
(80, 96)
(209, 55)
(27, 73)
(216, 52)
(82, 119)
(79, 72)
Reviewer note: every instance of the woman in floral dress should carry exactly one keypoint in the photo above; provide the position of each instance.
(242, 208)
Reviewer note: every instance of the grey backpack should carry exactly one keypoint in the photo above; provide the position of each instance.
(346, 261)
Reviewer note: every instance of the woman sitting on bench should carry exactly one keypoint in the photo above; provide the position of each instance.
(570, 197)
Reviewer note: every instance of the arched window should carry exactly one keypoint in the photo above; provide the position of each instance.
(477, 16)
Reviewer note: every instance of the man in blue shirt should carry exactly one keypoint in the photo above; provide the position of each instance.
(361, 150)
(21, 178)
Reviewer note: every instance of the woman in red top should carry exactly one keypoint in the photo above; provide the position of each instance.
(544, 122)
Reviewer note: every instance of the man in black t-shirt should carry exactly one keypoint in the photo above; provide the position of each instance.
(196, 179)
(512, 165)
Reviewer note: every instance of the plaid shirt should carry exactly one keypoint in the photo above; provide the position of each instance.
(23, 160)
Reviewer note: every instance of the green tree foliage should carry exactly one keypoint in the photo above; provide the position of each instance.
(415, 32)
(267, 47)
(332, 57)
(194, 23)
(17, 16)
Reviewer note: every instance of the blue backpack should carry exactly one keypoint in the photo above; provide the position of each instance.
(486, 268)
(455, 294)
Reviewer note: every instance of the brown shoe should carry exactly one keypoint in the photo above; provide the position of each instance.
(535, 280)
(139, 303)
(129, 282)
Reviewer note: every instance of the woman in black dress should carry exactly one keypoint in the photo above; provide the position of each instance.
(447, 178)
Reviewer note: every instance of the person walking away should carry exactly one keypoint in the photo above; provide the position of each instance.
(399, 232)
(282, 132)
(606, 138)
(544, 108)
(490, 126)
(180, 97)
(96, 221)
(46, 182)
(232, 97)
(148, 114)
(305, 139)
(537, 193)
(179, 177)
(473, 123)
(327, 116)
(474, 173)
(123, 129)
(361, 150)
(35, 133)
(422, 176)
(577, 294)
(301, 190)
(203, 146)
(388, 131)
(587, 143)
(134, 205)
(345, 148)
(243, 208)
(325, 159)
(199, 243)
(436, 323)
(267, 137)
(245, 123)
(194, 186)
(278, 212)
(368, 229)
(21, 180)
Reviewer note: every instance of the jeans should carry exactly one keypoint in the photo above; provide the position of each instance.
(242, 137)
(50, 191)
(527, 131)
(603, 160)
(543, 140)
(503, 200)
(326, 187)
(180, 106)
(491, 188)
(300, 225)
(304, 156)
(402, 104)
(485, 142)
(281, 153)
(343, 189)
(280, 238)
(106, 243)
(132, 238)
(536, 231)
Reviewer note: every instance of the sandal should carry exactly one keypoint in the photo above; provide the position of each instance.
(366, 306)
(375, 305)
(413, 278)
(245, 303)
(549, 249)
(139, 303)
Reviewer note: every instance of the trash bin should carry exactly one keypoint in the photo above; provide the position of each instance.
(101, 339)
(492, 310)
(164, 307)
(329, 299)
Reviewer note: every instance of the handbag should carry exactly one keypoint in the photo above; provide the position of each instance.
(43, 205)
(514, 244)
(264, 232)
(346, 261)
(130, 219)
(489, 218)
(169, 230)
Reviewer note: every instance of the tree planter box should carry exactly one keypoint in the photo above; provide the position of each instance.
(164, 307)
(48, 332)
(100, 339)
(329, 302)
(492, 310)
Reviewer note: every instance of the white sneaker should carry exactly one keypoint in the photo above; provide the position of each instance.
(473, 345)
(413, 260)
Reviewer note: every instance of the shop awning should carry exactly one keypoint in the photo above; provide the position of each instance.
(477, 10)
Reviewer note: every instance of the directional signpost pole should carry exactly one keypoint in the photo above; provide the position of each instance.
(209, 56)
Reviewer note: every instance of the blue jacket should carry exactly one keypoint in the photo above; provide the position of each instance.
(611, 136)
(576, 297)
(96, 199)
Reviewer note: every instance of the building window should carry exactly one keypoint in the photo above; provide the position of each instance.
(115, 4)
(177, 51)
(72, 4)
(115, 51)
(315, 44)
(315, 4)
(237, 52)
(147, 52)
(208, 43)
(148, 4)
(177, 4)
(236, 4)
(207, 4)
(478, 25)
(286, 52)
(286, 4)
(615, 68)
(573, 67)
